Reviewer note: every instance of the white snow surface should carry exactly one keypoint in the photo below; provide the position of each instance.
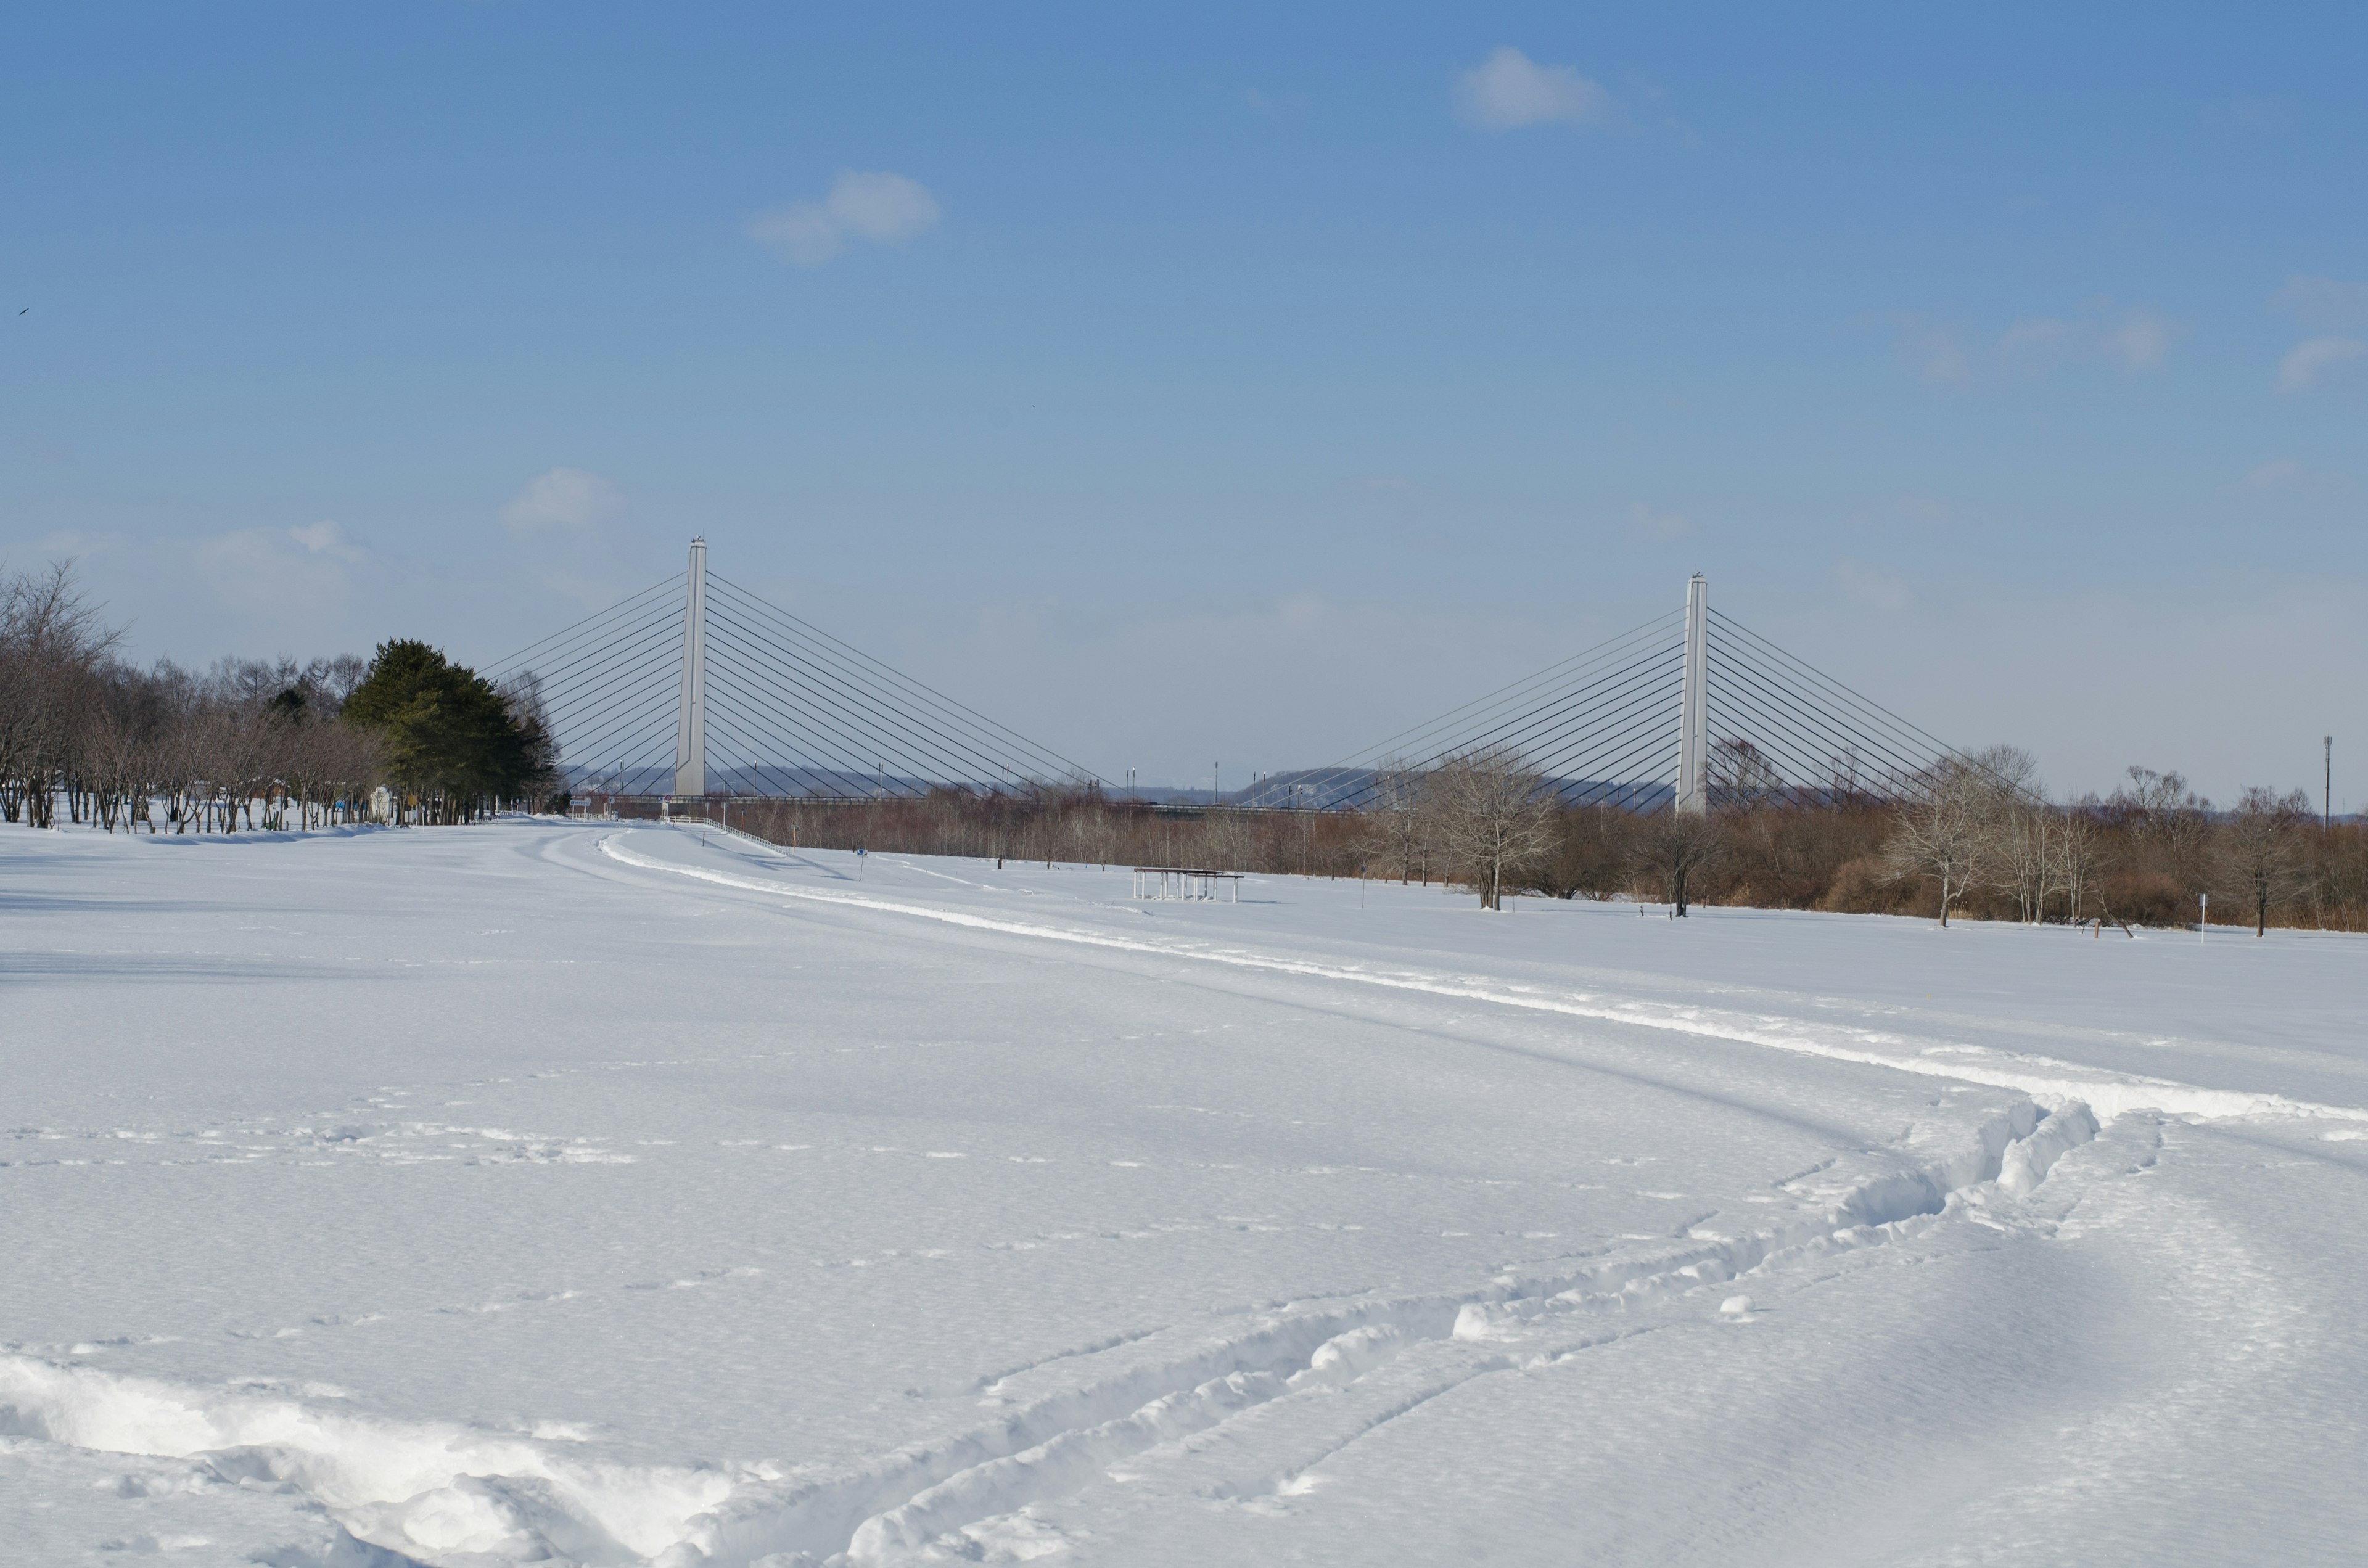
(543, 1192)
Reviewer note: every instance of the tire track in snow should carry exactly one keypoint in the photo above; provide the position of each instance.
(1067, 1422)
(1381, 1357)
(445, 1490)
(2109, 1094)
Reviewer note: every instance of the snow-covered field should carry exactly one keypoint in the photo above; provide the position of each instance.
(588, 1193)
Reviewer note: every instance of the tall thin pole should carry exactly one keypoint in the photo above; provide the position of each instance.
(691, 718)
(2327, 791)
(1693, 715)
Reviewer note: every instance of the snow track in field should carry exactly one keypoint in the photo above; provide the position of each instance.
(447, 1491)
(1356, 1365)
(535, 1193)
(2108, 1095)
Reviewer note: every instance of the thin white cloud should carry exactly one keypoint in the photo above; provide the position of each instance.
(882, 207)
(2141, 341)
(885, 209)
(590, 592)
(63, 543)
(564, 497)
(2306, 361)
(1935, 351)
(1300, 612)
(2036, 339)
(2135, 339)
(1273, 105)
(2250, 114)
(804, 233)
(1508, 90)
(2327, 304)
(1659, 525)
(2285, 476)
(1868, 586)
(276, 575)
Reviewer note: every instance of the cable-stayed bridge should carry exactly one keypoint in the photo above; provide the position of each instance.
(697, 686)
(1692, 709)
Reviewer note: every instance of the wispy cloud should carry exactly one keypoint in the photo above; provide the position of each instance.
(1273, 104)
(1868, 586)
(2327, 304)
(2142, 340)
(1508, 90)
(60, 544)
(2135, 338)
(884, 208)
(2311, 359)
(2334, 310)
(564, 497)
(1659, 525)
(277, 574)
(2034, 339)
(2287, 476)
(1934, 350)
(590, 592)
(2253, 114)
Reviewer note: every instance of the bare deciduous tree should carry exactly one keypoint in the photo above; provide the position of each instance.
(2078, 858)
(2009, 771)
(111, 741)
(2027, 833)
(1949, 837)
(1490, 817)
(53, 644)
(1228, 839)
(1675, 848)
(2257, 852)
(1393, 838)
(1740, 774)
(2169, 823)
(2022, 856)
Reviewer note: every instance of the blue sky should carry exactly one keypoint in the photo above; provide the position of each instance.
(1184, 383)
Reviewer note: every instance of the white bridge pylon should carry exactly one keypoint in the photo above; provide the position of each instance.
(1694, 706)
(690, 721)
(1687, 712)
(698, 687)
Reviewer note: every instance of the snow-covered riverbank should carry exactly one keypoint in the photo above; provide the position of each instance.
(587, 1190)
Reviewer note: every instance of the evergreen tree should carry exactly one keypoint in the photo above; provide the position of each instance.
(449, 738)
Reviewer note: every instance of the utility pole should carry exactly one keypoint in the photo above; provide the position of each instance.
(1693, 714)
(2327, 791)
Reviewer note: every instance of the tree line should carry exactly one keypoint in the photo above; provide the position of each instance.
(409, 736)
(1977, 839)
(404, 736)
